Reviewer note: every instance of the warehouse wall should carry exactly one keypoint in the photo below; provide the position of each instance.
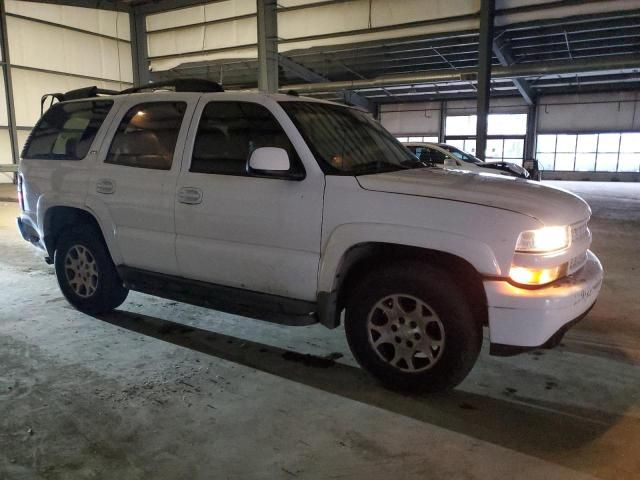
(54, 48)
(407, 119)
(595, 136)
(423, 118)
(603, 112)
(226, 29)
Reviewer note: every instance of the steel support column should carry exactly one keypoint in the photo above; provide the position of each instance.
(267, 46)
(532, 127)
(485, 55)
(8, 86)
(137, 22)
(442, 125)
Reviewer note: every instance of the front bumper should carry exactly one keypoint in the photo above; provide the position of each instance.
(529, 318)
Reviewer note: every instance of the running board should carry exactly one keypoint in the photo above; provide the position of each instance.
(261, 306)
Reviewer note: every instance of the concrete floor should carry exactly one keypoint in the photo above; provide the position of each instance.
(164, 390)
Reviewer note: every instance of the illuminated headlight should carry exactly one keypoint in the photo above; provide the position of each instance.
(547, 239)
(536, 276)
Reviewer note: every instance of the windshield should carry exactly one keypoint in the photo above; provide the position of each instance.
(460, 155)
(346, 141)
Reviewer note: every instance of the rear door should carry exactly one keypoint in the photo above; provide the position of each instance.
(134, 181)
(244, 231)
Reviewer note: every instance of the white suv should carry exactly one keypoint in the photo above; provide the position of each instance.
(296, 210)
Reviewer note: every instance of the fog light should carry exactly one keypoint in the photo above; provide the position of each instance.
(536, 276)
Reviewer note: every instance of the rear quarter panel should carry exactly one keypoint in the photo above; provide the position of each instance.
(50, 183)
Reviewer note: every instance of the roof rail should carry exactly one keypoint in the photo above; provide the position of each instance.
(86, 92)
(180, 85)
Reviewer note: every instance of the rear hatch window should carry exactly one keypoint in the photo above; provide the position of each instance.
(66, 131)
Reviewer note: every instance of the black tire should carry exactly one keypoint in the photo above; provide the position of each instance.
(102, 289)
(406, 283)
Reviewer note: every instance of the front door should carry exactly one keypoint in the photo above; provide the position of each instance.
(239, 230)
(134, 181)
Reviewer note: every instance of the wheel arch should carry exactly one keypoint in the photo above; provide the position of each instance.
(362, 258)
(59, 218)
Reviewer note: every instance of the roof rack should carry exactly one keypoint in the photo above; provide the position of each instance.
(86, 92)
(180, 85)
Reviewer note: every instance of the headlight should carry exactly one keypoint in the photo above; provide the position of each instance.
(543, 240)
(536, 276)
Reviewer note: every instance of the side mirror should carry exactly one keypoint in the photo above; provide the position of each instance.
(269, 160)
(450, 163)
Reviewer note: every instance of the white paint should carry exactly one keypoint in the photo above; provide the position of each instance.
(288, 238)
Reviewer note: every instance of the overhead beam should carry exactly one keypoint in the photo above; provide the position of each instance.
(620, 62)
(503, 52)
(349, 96)
(115, 5)
(485, 57)
(267, 46)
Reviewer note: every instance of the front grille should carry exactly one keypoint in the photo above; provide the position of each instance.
(580, 231)
(579, 235)
(576, 263)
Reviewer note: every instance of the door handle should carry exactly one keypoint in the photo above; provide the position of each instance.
(105, 185)
(190, 195)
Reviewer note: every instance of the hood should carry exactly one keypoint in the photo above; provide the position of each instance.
(550, 205)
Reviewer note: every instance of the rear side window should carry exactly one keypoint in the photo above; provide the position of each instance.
(66, 131)
(147, 136)
(230, 131)
(431, 155)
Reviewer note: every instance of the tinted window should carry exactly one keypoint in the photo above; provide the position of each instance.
(147, 136)
(430, 155)
(66, 130)
(347, 142)
(230, 131)
(460, 155)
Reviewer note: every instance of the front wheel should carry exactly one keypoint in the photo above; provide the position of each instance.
(86, 274)
(412, 328)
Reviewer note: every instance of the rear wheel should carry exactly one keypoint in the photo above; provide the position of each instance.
(86, 274)
(410, 327)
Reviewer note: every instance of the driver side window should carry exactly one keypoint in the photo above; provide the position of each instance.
(229, 132)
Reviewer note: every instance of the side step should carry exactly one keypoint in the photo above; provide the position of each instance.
(261, 306)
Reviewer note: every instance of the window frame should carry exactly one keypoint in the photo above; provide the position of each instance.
(291, 175)
(503, 138)
(122, 114)
(424, 138)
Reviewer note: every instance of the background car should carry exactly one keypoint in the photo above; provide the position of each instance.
(449, 157)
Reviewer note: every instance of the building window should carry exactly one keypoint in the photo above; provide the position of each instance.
(505, 135)
(421, 139)
(504, 124)
(593, 152)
